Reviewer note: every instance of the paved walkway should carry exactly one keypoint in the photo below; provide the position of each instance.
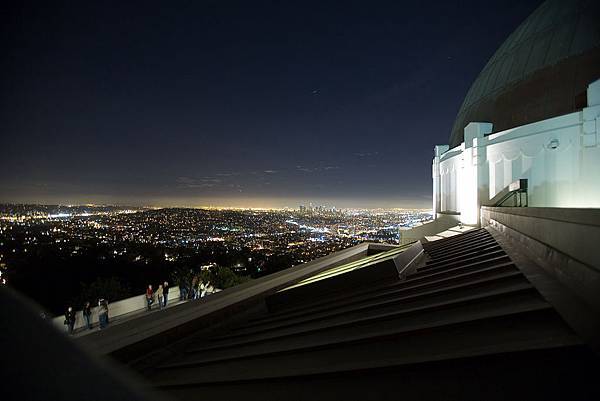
(114, 321)
(451, 232)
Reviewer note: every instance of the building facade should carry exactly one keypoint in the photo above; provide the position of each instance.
(558, 156)
(532, 113)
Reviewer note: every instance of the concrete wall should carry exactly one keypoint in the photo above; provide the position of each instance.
(559, 157)
(561, 241)
(573, 232)
(116, 309)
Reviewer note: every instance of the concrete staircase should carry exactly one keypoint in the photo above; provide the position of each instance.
(465, 305)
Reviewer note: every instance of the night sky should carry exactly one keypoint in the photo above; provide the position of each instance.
(236, 103)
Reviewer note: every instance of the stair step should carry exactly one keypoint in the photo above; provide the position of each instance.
(521, 293)
(457, 244)
(381, 305)
(553, 379)
(410, 327)
(474, 255)
(422, 283)
(483, 260)
(463, 250)
(455, 239)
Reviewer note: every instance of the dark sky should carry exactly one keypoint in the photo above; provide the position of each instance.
(236, 103)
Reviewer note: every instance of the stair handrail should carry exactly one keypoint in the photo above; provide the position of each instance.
(517, 189)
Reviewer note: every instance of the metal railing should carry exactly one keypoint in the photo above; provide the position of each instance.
(515, 192)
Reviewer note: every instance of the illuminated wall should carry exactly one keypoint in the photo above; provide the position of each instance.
(560, 157)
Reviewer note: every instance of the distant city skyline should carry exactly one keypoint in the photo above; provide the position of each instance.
(277, 203)
(237, 104)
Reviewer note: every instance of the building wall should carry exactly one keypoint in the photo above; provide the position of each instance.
(450, 169)
(560, 158)
(551, 156)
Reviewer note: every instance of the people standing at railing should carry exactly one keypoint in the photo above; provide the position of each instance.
(159, 296)
(70, 319)
(208, 289)
(183, 290)
(194, 294)
(149, 296)
(70, 316)
(87, 315)
(165, 293)
(103, 313)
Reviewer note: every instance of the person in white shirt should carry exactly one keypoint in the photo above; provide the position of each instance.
(201, 289)
(205, 289)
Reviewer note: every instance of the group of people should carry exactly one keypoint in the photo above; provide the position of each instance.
(198, 289)
(71, 316)
(161, 295)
